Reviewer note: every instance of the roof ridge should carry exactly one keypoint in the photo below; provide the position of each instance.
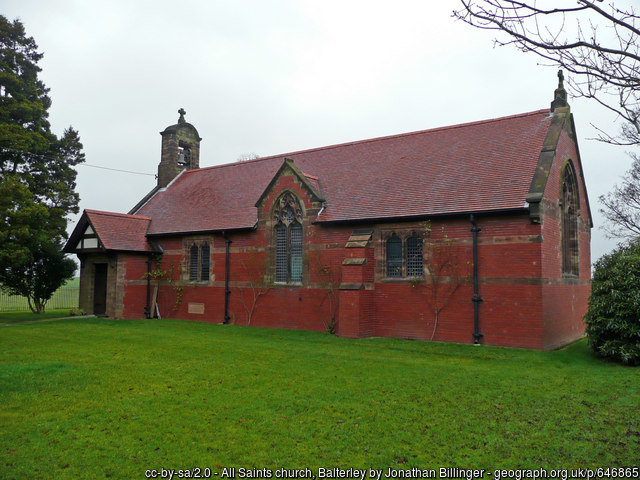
(374, 139)
(115, 214)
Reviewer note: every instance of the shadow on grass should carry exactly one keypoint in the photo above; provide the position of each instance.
(20, 317)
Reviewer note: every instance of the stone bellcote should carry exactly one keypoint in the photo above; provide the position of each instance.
(180, 150)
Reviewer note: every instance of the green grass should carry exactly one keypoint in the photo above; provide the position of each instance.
(19, 317)
(95, 398)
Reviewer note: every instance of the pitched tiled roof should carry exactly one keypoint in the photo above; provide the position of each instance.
(115, 231)
(480, 166)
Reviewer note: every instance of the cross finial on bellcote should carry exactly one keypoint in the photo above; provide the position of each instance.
(560, 94)
(182, 113)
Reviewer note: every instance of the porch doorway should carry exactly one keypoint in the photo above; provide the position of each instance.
(100, 289)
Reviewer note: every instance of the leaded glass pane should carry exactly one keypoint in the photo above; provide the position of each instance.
(204, 263)
(281, 253)
(296, 252)
(414, 256)
(394, 256)
(193, 263)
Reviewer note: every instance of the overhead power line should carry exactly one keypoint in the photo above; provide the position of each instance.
(115, 169)
(49, 157)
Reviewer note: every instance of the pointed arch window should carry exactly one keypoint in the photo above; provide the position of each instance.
(199, 262)
(288, 239)
(414, 256)
(193, 263)
(569, 218)
(394, 257)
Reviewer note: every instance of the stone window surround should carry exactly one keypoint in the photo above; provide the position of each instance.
(288, 209)
(569, 231)
(187, 244)
(403, 233)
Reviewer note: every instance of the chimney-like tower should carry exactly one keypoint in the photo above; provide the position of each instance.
(180, 150)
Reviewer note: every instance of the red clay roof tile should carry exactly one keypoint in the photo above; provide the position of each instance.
(479, 166)
(117, 231)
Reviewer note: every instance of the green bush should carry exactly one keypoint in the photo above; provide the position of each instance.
(613, 318)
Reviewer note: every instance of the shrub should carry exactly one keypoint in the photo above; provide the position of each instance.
(613, 318)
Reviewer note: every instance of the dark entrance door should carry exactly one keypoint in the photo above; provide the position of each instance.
(100, 289)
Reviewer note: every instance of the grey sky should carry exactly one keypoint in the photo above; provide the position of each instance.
(275, 77)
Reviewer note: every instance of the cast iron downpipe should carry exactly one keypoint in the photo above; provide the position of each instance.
(227, 292)
(147, 308)
(476, 299)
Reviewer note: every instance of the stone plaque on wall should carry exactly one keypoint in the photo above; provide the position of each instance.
(197, 308)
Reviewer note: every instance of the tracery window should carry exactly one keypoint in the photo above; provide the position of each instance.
(288, 239)
(199, 261)
(569, 218)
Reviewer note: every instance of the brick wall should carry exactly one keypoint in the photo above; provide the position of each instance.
(564, 297)
(526, 300)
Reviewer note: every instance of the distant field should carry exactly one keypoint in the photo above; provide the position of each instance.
(96, 398)
(65, 297)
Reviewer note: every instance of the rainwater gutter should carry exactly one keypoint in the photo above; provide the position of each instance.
(147, 307)
(476, 299)
(227, 292)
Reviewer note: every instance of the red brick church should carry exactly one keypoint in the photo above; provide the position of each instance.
(474, 233)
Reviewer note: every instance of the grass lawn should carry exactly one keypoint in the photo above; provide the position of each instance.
(19, 317)
(65, 297)
(95, 398)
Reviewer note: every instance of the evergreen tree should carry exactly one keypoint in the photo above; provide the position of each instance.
(613, 319)
(37, 182)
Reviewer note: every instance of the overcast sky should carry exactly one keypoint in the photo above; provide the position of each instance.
(276, 77)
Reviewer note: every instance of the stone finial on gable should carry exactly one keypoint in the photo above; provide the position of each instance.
(560, 94)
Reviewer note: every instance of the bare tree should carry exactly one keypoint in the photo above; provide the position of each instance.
(255, 287)
(329, 273)
(442, 273)
(598, 44)
(245, 157)
(622, 206)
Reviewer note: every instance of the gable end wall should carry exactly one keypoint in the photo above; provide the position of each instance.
(565, 298)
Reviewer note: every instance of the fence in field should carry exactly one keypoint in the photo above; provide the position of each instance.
(64, 297)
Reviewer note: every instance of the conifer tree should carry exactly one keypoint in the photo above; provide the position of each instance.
(37, 179)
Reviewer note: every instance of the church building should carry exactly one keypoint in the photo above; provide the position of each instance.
(472, 233)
